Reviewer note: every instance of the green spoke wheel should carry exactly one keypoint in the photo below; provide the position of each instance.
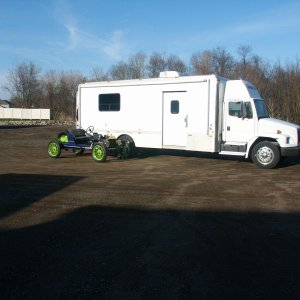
(54, 149)
(99, 152)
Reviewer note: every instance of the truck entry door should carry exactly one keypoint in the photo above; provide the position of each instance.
(175, 120)
(238, 122)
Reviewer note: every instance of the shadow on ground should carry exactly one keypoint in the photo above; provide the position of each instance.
(144, 153)
(20, 190)
(101, 252)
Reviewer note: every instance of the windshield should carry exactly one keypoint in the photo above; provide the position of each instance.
(261, 109)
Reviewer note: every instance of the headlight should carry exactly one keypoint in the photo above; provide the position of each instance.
(290, 140)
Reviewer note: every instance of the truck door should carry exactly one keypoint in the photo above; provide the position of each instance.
(175, 120)
(238, 122)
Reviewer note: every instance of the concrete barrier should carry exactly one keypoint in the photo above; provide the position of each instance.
(25, 113)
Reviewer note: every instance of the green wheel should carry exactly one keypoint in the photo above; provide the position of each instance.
(99, 152)
(54, 149)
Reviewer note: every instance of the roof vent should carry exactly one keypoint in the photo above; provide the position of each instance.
(169, 74)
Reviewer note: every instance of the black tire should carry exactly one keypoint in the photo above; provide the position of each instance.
(99, 152)
(266, 155)
(130, 147)
(54, 149)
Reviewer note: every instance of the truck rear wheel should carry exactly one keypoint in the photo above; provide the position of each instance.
(266, 155)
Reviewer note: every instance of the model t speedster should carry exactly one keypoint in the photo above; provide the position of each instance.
(79, 140)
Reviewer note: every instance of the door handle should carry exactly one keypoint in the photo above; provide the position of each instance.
(186, 120)
(228, 128)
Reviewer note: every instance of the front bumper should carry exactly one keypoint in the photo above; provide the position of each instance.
(291, 151)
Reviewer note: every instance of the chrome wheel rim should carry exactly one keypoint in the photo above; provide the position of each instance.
(265, 155)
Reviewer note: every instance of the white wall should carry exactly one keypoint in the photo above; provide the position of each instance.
(24, 114)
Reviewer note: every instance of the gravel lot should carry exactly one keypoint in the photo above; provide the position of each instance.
(162, 225)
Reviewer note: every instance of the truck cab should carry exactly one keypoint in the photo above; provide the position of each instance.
(249, 131)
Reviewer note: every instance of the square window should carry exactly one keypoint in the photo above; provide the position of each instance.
(174, 107)
(109, 102)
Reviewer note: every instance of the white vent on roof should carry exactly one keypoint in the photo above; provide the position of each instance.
(168, 74)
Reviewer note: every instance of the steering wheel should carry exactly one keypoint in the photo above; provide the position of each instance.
(90, 130)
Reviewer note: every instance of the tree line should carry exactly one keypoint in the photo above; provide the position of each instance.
(278, 84)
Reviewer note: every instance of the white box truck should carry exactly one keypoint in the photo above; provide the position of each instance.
(196, 113)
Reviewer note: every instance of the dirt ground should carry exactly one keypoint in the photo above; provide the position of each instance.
(162, 225)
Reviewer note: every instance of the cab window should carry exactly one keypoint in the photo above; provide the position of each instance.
(235, 109)
(240, 109)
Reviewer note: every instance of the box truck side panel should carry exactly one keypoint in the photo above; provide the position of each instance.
(143, 106)
(137, 112)
(176, 115)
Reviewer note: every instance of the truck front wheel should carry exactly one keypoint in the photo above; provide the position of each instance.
(266, 155)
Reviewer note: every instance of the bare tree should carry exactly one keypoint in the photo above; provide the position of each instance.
(283, 96)
(60, 93)
(24, 84)
(161, 62)
(217, 61)
(50, 86)
(120, 71)
(248, 64)
(202, 63)
(244, 51)
(97, 74)
(133, 69)
(223, 62)
(137, 65)
(175, 63)
(157, 63)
